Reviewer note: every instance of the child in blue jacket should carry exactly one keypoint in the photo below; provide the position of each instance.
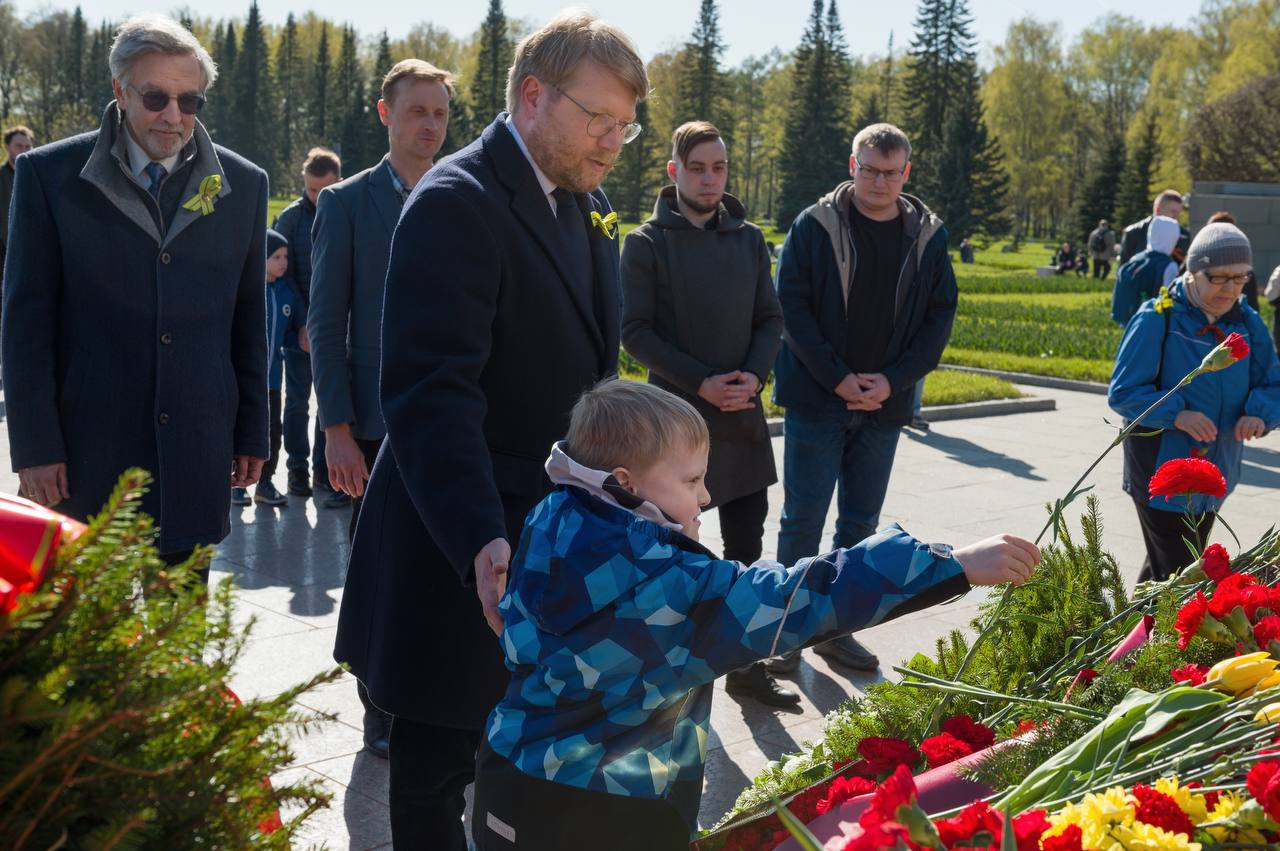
(617, 622)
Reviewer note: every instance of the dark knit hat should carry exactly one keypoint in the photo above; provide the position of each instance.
(1218, 244)
(275, 241)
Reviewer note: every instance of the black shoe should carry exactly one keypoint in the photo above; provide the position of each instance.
(299, 483)
(266, 494)
(240, 496)
(336, 499)
(377, 733)
(754, 681)
(848, 653)
(919, 423)
(785, 665)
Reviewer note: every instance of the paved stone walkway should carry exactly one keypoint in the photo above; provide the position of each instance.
(960, 482)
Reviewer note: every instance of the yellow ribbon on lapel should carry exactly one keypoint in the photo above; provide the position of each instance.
(202, 201)
(1163, 301)
(605, 224)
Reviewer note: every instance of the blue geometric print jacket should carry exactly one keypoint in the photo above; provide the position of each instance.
(615, 628)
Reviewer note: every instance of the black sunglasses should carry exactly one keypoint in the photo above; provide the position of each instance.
(158, 101)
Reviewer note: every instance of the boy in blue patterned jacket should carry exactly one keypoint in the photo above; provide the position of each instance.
(617, 622)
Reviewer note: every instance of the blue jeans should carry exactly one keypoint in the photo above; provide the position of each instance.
(297, 412)
(820, 451)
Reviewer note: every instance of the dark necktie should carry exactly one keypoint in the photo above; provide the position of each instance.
(573, 235)
(156, 173)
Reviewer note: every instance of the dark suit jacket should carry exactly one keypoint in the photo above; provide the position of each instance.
(1134, 239)
(350, 249)
(131, 344)
(487, 341)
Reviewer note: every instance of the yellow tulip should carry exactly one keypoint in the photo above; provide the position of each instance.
(1268, 714)
(1242, 673)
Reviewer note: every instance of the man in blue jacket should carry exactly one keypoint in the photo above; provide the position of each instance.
(134, 328)
(868, 297)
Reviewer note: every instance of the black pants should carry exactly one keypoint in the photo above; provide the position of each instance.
(370, 450)
(742, 526)
(515, 810)
(1165, 534)
(430, 768)
(275, 429)
(1101, 268)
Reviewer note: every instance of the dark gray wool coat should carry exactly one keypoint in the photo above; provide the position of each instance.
(698, 302)
(134, 332)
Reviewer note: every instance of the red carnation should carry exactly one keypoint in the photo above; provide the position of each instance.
(1263, 781)
(1238, 345)
(805, 805)
(1087, 675)
(1215, 563)
(841, 790)
(883, 835)
(1160, 810)
(944, 748)
(886, 754)
(1189, 618)
(1028, 829)
(1184, 476)
(897, 790)
(1210, 798)
(975, 818)
(975, 735)
(1192, 675)
(1070, 839)
(1267, 630)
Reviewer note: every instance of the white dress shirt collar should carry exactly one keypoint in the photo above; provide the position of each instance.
(548, 186)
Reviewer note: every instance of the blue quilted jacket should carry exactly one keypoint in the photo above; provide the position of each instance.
(616, 627)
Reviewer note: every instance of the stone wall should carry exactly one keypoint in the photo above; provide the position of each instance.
(1256, 207)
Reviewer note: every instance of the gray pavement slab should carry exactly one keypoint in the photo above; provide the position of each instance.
(961, 481)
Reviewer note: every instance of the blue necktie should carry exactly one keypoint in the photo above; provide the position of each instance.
(156, 172)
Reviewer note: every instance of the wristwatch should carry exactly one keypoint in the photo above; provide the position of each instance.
(940, 551)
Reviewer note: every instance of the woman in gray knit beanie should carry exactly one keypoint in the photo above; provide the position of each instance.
(1212, 416)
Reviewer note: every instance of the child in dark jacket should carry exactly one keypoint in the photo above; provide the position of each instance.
(617, 621)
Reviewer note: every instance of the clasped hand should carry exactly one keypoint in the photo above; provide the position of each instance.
(864, 391)
(731, 391)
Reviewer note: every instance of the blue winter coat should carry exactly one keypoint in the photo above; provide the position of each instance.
(286, 315)
(1157, 350)
(617, 626)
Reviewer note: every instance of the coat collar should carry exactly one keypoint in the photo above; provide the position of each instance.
(108, 169)
(385, 196)
(529, 204)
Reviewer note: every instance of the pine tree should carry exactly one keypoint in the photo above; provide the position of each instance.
(942, 52)
(703, 93)
(374, 141)
(639, 173)
(97, 80)
(321, 69)
(886, 84)
(1098, 200)
(219, 114)
(256, 113)
(288, 81)
(77, 49)
(1133, 198)
(970, 190)
(815, 151)
(872, 112)
(488, 89)
(350, 88)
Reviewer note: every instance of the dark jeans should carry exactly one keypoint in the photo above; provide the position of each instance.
(1166, 534)
(822, 451)
(297, 412)
(370, 449)
(275, 427)
(742, 526)
(430, 768)
(1101, 268)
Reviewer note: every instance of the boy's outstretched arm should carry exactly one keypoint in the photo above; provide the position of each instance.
(749, 613)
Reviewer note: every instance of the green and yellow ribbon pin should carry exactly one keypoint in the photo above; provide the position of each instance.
(1163, 301)
(607, 225)
(202, 201)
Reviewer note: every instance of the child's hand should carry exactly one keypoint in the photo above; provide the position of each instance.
(998, 559)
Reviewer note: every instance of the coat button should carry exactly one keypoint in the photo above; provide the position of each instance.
(166, 338)
(164, 258)
(164, 419)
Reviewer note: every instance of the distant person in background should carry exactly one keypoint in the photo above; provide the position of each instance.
(1169, 204)
(1102, 248)
(17, 141)
(1082, 262)
(1209, 418)
(966, 251)
(1251, 285)
(321, 168)
(1064, 259)
(1142, 277)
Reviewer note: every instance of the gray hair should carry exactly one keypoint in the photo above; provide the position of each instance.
(156, 34)
(884, 138)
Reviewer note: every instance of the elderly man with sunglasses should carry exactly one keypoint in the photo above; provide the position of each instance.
(133, 328)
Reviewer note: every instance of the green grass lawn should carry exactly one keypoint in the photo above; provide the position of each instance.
(948, 387)
(275, 205)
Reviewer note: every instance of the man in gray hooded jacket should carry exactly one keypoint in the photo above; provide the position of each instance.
(700, 312)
